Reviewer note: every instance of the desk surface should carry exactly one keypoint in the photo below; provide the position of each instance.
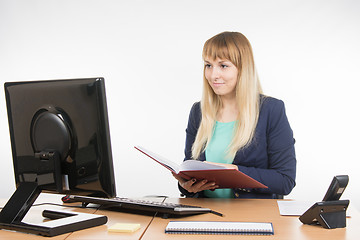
(245, 210)
(254, 210)
(100, 232)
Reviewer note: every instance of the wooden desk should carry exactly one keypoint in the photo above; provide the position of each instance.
(253, 210)
(246, 210)
(99, 232)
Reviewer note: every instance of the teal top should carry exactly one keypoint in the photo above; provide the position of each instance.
(216, 151)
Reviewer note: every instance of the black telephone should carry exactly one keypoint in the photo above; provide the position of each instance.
(331, 212)
(336, 188)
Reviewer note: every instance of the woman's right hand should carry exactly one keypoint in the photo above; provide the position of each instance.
(194, 186)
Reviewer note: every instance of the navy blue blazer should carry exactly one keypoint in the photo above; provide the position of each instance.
(269, 158)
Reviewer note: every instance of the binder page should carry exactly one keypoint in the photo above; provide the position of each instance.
(190, 165)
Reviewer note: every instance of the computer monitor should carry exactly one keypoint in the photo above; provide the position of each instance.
(60, 140)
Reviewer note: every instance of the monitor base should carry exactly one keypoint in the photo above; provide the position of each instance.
(61, 222)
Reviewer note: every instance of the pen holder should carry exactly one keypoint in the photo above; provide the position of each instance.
(329, 214)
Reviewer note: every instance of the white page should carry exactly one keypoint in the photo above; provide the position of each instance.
(293, 208)
(198, 165)
(187, 165)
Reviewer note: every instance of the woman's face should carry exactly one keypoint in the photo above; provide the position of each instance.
(222, 75)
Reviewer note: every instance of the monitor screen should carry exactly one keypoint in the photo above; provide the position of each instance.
(60, 136)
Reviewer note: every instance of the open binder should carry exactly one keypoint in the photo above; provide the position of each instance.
(222, 176)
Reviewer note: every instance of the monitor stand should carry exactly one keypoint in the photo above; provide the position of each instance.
(62, 222)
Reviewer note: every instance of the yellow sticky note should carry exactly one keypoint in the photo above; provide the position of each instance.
(124, 227)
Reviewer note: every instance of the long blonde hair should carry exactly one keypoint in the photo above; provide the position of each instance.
(235, 47)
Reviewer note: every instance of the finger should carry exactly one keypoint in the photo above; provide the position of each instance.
(188, 184)
(191, 185)
(177, 177)
(194, 186)
(209, 186)
(199, 186)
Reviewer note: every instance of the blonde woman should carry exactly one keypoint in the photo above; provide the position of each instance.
(235, 125)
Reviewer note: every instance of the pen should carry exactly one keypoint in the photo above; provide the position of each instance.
(217, 213)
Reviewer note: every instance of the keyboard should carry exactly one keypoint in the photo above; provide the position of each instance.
(146, 206)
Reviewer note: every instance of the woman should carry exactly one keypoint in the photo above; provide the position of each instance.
(236, 126)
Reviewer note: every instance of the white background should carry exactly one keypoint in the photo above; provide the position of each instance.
(307, 54)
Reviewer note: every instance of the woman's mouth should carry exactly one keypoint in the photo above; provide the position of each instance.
(217, 84)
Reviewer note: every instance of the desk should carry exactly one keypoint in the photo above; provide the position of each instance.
(247, 210)
(99, 232)
(254, 210)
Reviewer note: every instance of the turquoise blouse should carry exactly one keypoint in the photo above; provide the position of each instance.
(216, 152)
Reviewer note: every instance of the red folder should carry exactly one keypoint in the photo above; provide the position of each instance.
(223, 177)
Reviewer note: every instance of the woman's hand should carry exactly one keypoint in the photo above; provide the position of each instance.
(193, 186)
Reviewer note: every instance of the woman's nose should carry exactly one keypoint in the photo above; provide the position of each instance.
(215, 74)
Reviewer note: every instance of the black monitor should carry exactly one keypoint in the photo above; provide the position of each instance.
(60, 141)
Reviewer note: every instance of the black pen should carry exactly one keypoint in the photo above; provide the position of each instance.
(217, 213)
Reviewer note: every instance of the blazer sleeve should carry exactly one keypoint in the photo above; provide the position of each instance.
(192, 128)
(191, 131)
(280, 173)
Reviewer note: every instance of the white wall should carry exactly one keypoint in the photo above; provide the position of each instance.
(307, 54)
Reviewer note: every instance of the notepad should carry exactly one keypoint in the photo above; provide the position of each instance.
(124, 227)
(200, 227)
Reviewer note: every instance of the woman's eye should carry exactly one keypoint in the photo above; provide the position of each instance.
(224, 66)
(207, 66)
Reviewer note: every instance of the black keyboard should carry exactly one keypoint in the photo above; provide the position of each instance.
(168, 209)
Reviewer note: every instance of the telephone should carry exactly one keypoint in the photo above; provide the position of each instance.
(330, 212)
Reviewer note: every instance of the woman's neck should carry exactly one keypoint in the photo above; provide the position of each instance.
(229, 110)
